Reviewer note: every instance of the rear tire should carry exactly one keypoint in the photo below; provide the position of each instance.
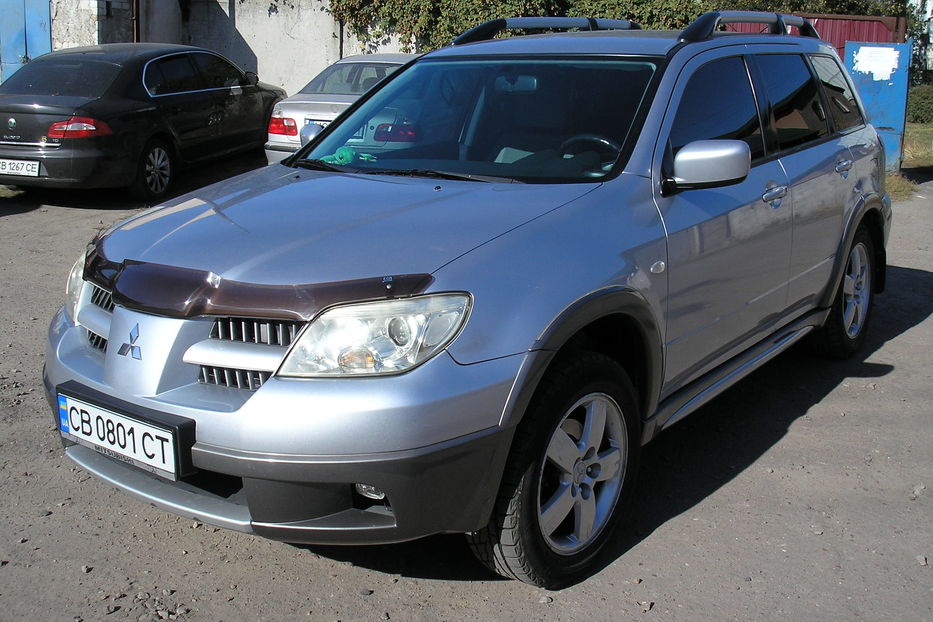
(155, 171)
(844, 331)
(568, 476)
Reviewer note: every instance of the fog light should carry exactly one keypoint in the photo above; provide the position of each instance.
(370, 492)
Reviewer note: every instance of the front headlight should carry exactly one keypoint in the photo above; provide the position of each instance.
(376, 338)
(73, 288)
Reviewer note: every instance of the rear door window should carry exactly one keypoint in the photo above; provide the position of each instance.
(799, 117)
(172, 74)
(840, 98)
(217, 72)
(701, 116)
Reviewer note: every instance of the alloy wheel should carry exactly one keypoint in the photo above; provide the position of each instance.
(158, 169)
(856, 290)
(582, 474)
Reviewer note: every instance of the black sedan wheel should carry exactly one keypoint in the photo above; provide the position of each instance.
(156, 171)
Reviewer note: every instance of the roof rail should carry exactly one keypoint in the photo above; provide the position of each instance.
(705, 25)
(490, 29)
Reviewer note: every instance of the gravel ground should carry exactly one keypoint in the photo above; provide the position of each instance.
(806, 492)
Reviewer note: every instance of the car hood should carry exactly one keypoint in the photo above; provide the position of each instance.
(284, 226)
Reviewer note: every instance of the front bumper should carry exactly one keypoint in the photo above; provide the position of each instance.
(282, 461)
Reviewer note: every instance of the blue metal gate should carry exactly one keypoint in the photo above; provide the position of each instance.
(25, 33)
(879, 71)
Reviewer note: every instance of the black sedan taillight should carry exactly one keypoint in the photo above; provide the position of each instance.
(78, 127)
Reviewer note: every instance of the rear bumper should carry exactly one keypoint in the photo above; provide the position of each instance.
(67, 167)
(276, 152)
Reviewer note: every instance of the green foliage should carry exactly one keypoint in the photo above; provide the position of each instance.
(920, 104)
(429, 24)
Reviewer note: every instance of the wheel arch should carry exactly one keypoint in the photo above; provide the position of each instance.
(617, 322)
(871, 215)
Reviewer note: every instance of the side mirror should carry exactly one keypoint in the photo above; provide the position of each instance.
(710, 164)
(251, 79)
(309, 131)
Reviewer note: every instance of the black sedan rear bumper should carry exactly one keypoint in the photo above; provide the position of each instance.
(84, 166)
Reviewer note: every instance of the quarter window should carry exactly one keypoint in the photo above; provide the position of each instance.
(702, 115)
(839, 96)
(799, 117)
(172, 74)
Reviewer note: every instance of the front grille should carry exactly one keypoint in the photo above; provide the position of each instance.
(268, 332)
(96, 340)
(233, 378)
(102, 298)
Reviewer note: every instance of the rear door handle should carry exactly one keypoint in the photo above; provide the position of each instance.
(773, 195)
(843, 166)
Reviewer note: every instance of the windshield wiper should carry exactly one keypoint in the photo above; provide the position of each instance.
(318, 165)
(419, 172)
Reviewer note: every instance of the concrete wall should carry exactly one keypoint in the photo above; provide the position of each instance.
(74, 23)
(114, 21)
(160, 21)
(286, 42)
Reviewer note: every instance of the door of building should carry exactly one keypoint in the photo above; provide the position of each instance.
(25, 33)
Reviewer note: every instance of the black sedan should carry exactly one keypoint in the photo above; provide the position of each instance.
(126, 114)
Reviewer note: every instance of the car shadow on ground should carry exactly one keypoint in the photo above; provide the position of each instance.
(696, 457)
(17, 200)
(918, 175)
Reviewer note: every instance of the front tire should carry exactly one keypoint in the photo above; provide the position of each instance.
(844, 331)
(155, 171)
(568, 477)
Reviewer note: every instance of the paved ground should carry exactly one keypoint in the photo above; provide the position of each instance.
(805, 493)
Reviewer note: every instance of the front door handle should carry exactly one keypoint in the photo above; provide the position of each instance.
(842, 167)
(773, 195)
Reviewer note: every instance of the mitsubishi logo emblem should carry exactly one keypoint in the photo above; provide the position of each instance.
(131, 348)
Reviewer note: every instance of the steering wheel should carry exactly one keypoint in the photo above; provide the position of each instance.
(601, 143)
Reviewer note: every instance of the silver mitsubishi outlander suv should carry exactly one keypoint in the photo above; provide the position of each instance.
(468, 303)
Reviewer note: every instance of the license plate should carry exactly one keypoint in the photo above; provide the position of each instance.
(26, 168)
(130, 440)
(321, 123)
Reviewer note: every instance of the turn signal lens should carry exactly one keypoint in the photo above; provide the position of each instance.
(78, 127)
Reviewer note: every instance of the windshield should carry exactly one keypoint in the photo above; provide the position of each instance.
(348, 78)
(541, 120)
(77, 77)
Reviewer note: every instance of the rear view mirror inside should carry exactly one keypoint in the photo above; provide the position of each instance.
(516, 84)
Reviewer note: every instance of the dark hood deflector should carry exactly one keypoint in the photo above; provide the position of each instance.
(184, 292)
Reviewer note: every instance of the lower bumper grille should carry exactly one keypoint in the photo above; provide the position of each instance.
(96, 341)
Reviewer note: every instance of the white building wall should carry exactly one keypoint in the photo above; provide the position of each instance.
(286, 42)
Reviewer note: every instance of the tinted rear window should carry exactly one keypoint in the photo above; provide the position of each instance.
(74, 77)
(349, 78)
(798, 113)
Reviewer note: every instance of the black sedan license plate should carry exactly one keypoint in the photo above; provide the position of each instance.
(143, 444)
(28, 168)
